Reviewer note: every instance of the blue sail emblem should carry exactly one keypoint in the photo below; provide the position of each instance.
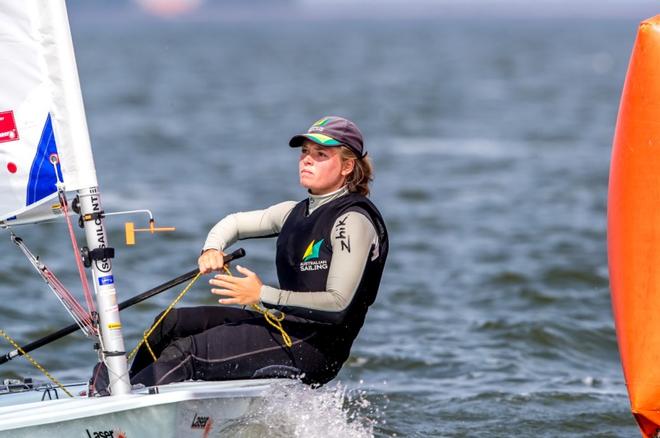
(42, 181)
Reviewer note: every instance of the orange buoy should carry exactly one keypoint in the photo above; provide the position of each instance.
(633, 228)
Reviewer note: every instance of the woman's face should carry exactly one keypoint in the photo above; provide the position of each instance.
(321, 168)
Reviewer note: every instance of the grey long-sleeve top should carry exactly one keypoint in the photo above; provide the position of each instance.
(346, 267)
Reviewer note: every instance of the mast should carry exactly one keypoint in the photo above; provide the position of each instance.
(70, 125)
(100, 255)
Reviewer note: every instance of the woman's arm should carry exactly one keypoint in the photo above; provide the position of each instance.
(243, 225)
(258, 223)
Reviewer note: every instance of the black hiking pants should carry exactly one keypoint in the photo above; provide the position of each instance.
(226, 343)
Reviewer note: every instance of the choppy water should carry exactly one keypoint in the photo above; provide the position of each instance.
(491, 142)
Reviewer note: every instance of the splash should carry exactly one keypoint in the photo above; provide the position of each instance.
(296, 410)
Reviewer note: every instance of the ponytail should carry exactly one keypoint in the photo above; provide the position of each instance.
(358, 180)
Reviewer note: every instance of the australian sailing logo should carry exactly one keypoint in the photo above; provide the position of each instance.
(8, 131)
(310, 260)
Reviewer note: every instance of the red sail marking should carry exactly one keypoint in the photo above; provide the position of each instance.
(8, 131)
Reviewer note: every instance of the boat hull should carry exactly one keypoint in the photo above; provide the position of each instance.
(187, 409)
(634, 228)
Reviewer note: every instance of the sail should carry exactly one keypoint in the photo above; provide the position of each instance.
(43, 129)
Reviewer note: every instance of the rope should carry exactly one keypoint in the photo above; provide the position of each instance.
(76, 252)
(146, 344)
(75, 309)
(271, 318)
(275, 321)
(77, 312)
(162, 317)
(34, 362)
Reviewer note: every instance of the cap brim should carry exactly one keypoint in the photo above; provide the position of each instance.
(323, 140)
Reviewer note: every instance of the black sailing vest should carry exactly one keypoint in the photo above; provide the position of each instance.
(304, 253)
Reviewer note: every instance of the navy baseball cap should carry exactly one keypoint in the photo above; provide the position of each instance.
(332, 131)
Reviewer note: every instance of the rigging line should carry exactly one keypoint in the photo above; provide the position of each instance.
(162, 317)
(81, 270)
(72, 306)
(270, 317)
(275, 321)
(35, 363)
(79, 315)
(148, 345)
(70, 300)
(55, 160)
(78, 320)
(66, 295)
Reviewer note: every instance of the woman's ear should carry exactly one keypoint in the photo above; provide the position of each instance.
(347, 167)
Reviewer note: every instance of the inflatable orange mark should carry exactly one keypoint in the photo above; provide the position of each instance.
(633, 234)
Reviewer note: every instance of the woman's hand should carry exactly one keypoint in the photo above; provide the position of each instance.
(240, 290)
(211, 260)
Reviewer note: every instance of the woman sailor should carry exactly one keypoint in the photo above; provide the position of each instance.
(331, 250)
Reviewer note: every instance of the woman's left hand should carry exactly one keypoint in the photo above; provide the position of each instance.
(240, 290)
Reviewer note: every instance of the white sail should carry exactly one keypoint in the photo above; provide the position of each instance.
(44, 140)
(41, 111)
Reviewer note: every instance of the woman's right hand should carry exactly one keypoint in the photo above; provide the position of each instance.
(211, 260)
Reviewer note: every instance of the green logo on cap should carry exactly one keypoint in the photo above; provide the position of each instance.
(322, 122)
(323, 139)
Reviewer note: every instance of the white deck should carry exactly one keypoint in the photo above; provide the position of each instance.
(177, 410)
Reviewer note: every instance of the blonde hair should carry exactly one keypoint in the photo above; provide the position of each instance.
(358, 180)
